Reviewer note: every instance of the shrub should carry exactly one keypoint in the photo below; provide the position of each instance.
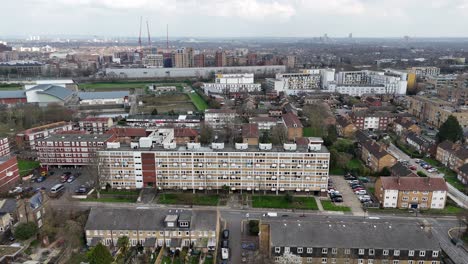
(254, 228)
(25, 230)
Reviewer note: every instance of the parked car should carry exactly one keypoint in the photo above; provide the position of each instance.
(41, 179)
(364, 179)
(417, 160)
(356, 186)
(225, 243)
(64, 178)
(358, 189)
(16, 190)
(413, 167)
(226, 233)
(337, 200)
(81, 190)
(432, 170)
(360, 192)
(334, 195)
(71, 179)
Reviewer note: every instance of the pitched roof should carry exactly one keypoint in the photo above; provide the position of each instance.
(145, 219)
(12, 94)
(404, 122)
(343, 121)
(464, 169)
(418, 139)
(185, 132)
(446, 145)
(400, 170)
(329, 233)
(7, 205)
(59, 92)
(250, 131)
(128, 132)
(375, 149)
(95, 119)
(461, 153)
(291, 120)
(413, 183)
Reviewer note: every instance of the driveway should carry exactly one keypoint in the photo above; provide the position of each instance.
(349, 198)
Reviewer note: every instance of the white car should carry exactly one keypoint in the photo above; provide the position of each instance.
(432, 170)
(361, 192)
(16, 190)
(364, 197)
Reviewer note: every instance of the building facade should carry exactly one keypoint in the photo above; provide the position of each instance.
(9, 172)
(411, 192)
(219, 118)
(226, 84)
(96, 125)
(27, 138)
(262, 168)
(71, 149)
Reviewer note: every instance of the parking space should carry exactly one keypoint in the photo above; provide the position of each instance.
(54, 177)
(349, 198)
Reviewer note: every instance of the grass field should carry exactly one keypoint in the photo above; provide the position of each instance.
(199, 103)
(177, 102)
(312, 132)
(330, 206)
(113, 85)
(265, 201)
(188, 198)
(449, 175)
(120, 199)
(27, 166)
(353, 164)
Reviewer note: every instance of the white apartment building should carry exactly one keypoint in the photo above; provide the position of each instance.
(232, 83)
(219, 118)
(153, 60)
(194, 167)
(425, 71)
(311, 80)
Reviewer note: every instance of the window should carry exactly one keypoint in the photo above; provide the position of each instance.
(277, 249)
(435, 262)
(333, 260)
(384, 261)
(396, 253)
(385, 252)
(422, 253)
(395, 261)
(410, 261)
(347, 251)
(309, 260)
(411, 253)
(361, 251)
(371, 252)
(334, 251)
(360, 261)
(421, 262)
(310, 250)
(300, 250)
(286, 249)
(324, 250)
(435, 254)
(370, 261)
(324, 260)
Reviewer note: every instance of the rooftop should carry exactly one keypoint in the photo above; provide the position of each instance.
(78, 137)
(12, 94)
(59, 92)
(250, 131)
(291, 120)
(102, 95)
(163, 117)
(352, 234)
(413, 183)
(145, 219)
(45, 127)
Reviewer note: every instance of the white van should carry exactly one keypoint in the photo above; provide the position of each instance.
(56, 190)
(225, 253)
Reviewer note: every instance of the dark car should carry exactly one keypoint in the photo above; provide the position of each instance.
(337, 200)
(81, 190)
(356, 186)
(41, 179)
(335, 195)
(225, 244)
(226, 234)
(67, 173)
(64, 178)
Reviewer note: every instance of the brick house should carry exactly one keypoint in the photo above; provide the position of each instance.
(185, 135)
(403, 125)
(374, 154)
(345, 128)
(422, 145)
(293, 125)
(250, 134)
(411, 192)
(452, 155)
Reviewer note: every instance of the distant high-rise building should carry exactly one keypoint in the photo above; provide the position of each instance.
(199, 60)
(220, 58)
(252, 59)
(182, 58)
(291, 61)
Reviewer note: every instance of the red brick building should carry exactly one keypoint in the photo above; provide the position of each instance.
(70, 149)
(27, 138)
(9, 173)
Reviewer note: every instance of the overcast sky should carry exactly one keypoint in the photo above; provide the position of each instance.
(241, 18)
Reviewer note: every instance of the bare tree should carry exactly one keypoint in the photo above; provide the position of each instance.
(279, 134)
(289, 258)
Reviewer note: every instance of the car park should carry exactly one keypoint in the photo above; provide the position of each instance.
(71, 179)
(40, 179)
(64, 178)
(81, 190)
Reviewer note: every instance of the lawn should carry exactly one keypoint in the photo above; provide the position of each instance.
(353, 164)
(120, 192)
(194, 259)
(449, 175)
(208, 261)
(188, 198)
(113, 85)
(199, 103)
(330, 206)
(449, 209)
(27, 166)
(371, 190)
(312, 132)
(164, 103)
(270, 201)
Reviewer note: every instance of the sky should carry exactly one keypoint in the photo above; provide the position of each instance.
(236, 18)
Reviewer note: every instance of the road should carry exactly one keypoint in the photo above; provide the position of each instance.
(234, 217)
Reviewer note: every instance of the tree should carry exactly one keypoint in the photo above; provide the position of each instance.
(25, 230)
(122, 244)
(265, 138)
(206, 134)
(385, 172)
(450, 130)
(254, 228)
(278, 135)
(100, 255)
(154, 112)
(289, 258)
(332, 136)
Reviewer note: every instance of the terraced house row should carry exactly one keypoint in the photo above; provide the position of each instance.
(291, 167)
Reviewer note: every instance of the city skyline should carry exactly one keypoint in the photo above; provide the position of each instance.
(245, 18)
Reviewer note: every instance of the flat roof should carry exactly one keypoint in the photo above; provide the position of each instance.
(77, 137)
